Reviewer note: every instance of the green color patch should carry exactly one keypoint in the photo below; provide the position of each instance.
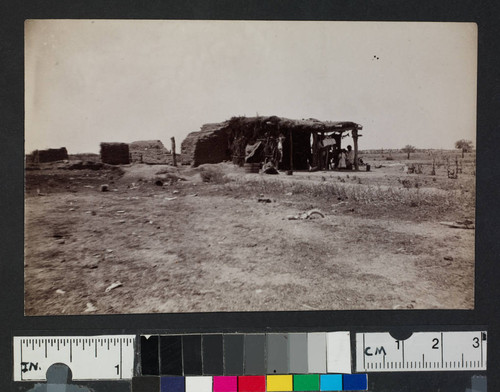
(306, 382)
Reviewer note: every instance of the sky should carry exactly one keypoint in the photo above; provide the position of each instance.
(93, 81)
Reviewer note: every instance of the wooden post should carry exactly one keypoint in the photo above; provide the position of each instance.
(291, 153)
(355, 140)
(315, 149)
(172, 139)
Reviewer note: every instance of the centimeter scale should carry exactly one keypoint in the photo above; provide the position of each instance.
(422, 351)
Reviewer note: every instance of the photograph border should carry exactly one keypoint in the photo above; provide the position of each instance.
(487, 273)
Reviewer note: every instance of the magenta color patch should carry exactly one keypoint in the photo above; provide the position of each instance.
(225, 384)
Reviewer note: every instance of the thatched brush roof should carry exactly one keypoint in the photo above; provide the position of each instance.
(306, 125)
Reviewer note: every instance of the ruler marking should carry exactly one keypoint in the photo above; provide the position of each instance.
(95, 347)
(481, 350)
(364, 355)
(70, 350)
(45, 348)
(21, 360)
(462, 359)
(403, 352)
(442, 345)
(57, 344)
(121, 367)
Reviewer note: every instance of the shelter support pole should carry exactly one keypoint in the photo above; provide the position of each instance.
(320, 153)
(315, 150)
(355, 140)
(172, 139)
(291, 151)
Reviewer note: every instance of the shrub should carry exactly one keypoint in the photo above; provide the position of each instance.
(214, 175)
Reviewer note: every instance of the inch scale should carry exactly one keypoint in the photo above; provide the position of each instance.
(89, 357)
(422, 351)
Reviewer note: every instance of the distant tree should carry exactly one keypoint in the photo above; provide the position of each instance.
(464, 145)
(408, 149)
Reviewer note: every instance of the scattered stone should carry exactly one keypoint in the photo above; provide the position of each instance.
(465, 224)
(175, 191)
(170, 198)
(448, 258)
(90, 308)
(113, 286)
(159, 182)
(104, 188)
(59, 291)
(261, 200)
(311, 214)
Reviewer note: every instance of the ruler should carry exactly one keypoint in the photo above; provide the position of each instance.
(107, 357)
(422, 351)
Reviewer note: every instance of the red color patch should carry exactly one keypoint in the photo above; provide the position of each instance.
(252, 384)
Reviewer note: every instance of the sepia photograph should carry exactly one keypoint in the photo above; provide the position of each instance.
(178, 166)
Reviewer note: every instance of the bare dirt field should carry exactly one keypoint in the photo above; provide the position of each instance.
(215, 238)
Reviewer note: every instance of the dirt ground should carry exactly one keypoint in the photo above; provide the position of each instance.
(172, 242)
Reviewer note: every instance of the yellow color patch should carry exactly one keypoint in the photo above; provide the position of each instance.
(279, 383)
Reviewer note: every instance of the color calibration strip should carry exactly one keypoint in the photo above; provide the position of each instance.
(246, 354)
(269, 383)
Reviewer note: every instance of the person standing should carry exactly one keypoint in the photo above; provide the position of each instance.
(342, 159)
(349, 158)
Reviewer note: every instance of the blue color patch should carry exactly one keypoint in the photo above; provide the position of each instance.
(172, 384)
(355, 382)
(330, 382)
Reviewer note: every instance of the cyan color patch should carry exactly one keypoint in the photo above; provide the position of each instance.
(330, 382)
